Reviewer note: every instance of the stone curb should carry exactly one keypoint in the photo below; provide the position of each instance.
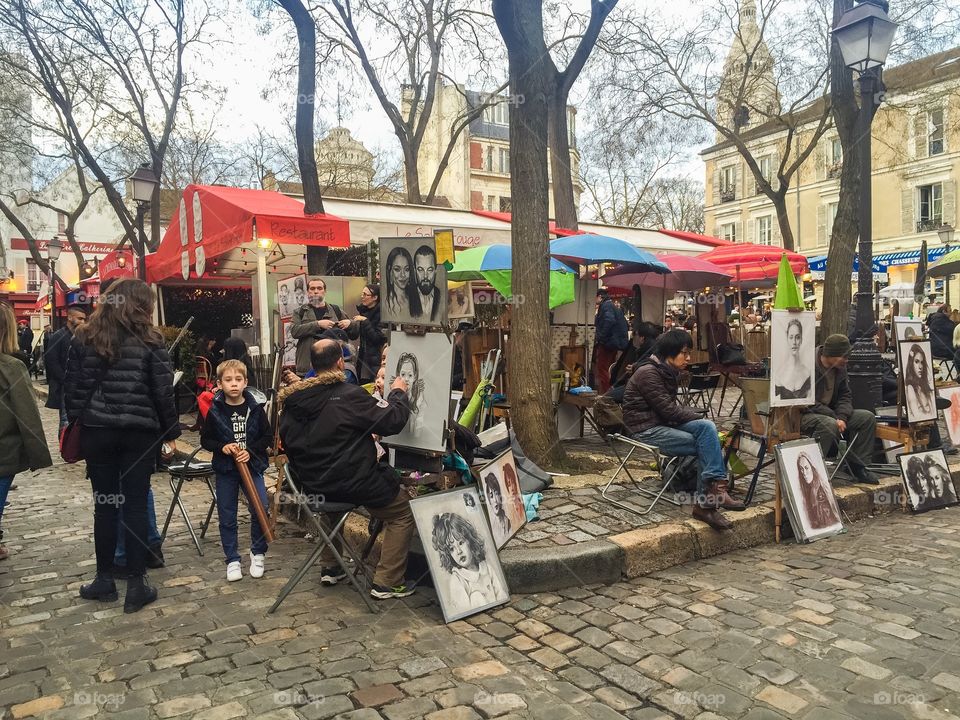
(647, 550)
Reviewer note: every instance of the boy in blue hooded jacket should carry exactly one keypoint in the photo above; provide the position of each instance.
(236, 429)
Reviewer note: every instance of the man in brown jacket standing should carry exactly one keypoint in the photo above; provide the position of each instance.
(653, 416)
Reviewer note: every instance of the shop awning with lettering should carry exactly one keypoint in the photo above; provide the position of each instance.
(883, 261)
(212, 220)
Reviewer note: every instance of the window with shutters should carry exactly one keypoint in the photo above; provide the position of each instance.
(834, 158)
(728, 184)
(504, 160)
(33, 277)
(496, 114)
(490, 199)
(728, 231)
(765, 230)
(61, 222)
(489, 158)
(766, 171)
(831, 217)
(931, 207)
(935, 132)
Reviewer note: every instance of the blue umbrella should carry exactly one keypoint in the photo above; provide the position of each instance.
(589, 249)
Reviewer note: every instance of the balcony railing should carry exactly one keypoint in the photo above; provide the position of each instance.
(33, 286)
(833, 172)
(727, 195)
(929, 225)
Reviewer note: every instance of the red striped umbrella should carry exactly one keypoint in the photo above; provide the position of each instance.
(749, 263)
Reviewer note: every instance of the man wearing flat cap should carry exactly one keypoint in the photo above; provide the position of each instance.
(833, 416)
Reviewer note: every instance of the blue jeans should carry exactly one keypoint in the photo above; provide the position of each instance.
(153, 535)
(5, 482)
(228, 493)
(698, 438)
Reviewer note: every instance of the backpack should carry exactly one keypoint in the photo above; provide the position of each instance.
(608, 415)
(683, 474)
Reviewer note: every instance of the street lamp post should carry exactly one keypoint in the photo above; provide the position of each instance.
(945, 232)
(53, 253)
(141, 186)
(864, 35)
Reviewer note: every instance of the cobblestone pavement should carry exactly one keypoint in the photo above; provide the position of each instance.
(849, 627)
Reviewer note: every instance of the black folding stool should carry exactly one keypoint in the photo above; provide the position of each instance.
(180, 472)
(313, 507)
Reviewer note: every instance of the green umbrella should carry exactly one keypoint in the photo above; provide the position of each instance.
(949, 264)
(788, 296)
(493, 263)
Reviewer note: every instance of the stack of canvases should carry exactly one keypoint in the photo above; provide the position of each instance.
(925, 474)
(461, 530)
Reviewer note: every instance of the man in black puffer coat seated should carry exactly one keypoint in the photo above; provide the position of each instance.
(327, 427)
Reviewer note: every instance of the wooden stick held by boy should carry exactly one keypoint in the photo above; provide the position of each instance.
(254, 497)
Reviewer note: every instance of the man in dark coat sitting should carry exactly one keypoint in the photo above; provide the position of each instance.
(327, 428)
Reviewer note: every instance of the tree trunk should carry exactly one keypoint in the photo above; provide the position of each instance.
(306, 101)
(533, 76)
(837, 286)
(783, 222)
(411, 174)
(564, 200)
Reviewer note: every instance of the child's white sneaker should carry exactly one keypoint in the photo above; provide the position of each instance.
(256, 566)
(235, 572)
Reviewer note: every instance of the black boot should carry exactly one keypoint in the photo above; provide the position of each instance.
(154, 557)
(102, 588)
(139, 593)
(862, 475)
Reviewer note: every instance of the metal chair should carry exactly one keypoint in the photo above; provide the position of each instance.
(699, 391)
(663, 462)
(180, 472)
(315, 506)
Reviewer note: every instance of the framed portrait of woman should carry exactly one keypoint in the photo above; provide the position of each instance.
(426, 363)
(460, 552)
(504, 500)
(807, 493)
(792, 358)
(916, 370)
(926, 478)
(906, 328)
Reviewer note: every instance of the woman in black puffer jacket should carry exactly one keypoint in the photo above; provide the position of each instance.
(119, 386)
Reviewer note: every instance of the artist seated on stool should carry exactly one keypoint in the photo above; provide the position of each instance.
(833, 415)
(653, 416)
(326, 425)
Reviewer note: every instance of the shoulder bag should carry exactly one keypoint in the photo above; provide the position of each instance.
(71, 449)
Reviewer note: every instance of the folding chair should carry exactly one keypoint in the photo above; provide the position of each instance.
(663, 462)
(180, 472)
(314, 506)
(700, 390)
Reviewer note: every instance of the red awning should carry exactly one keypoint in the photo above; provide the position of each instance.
(696, 237)
(506, 217)
(213, 220)
(748, 262)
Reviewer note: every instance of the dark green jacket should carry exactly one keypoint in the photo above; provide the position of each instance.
(840, 406)
(22, 443)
